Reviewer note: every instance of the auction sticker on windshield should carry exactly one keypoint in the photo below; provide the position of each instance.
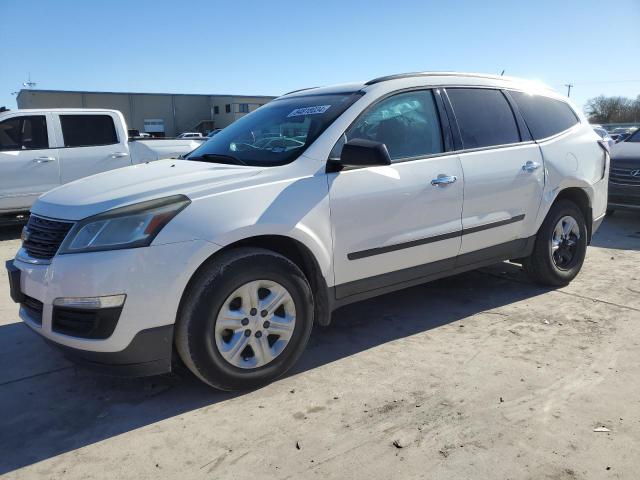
(309, 110)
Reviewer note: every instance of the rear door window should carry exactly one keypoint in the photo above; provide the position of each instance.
(545, 116)
(24, 133)
(484, 117)
(88, 130)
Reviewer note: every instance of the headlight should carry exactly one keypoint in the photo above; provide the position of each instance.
(127, 227)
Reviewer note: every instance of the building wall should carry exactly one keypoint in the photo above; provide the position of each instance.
(153, 107)
(191, 110)
(35, 99)
(180, 113)
(114, 101)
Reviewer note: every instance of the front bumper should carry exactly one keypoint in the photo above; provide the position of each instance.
(149, 353)
(153, 280)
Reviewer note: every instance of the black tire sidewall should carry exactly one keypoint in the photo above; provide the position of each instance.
(209, 296)
(562, 209)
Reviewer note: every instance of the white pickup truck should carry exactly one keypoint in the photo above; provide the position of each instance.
(42, 149)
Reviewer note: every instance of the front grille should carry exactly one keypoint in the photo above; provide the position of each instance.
(624, 199)
(622, 176)
(33, 308)
(42, 237)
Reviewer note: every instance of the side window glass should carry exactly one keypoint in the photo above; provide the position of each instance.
(407, 123)
(88, 130)
(484, 117)
(544, 116)
(24, 133)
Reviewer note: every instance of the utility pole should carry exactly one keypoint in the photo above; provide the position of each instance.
(568, 85)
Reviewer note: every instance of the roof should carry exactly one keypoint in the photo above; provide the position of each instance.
(62, 109)
(481, 79)
(328, 90)
(440, 74)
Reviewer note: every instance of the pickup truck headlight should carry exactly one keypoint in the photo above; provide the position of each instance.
(126, 227)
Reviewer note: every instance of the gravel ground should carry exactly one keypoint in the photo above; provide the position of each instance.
(481, 376)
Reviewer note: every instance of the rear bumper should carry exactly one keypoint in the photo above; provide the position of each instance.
(149, 353)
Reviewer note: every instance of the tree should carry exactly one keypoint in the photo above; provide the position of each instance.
(613, 109)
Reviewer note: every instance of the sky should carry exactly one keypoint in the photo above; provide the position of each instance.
(272, 47)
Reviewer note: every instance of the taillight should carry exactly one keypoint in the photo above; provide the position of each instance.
(607, 152)
(605, 146)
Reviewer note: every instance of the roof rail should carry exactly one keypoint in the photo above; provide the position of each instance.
(430, 74)
(299, 90)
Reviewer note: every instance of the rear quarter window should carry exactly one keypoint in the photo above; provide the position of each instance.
(88, 130)
(544, 116)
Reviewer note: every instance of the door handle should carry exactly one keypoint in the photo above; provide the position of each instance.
(119, 155)
(44, 159)
(530, 166)
(443, 180)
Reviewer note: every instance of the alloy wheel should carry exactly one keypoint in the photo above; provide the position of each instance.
(565, 242)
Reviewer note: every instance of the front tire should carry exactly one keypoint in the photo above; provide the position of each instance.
(560, 246)
(245, 319)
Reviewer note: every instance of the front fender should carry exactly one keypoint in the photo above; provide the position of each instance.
(297, 208)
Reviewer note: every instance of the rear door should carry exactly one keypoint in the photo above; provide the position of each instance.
(91, 144)
(503, 169)
(391, 224)
(29, 163)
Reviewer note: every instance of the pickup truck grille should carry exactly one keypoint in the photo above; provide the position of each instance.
(622, 176)
(42, 237)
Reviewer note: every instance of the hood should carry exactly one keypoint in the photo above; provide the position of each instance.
(125, 186)
(626, 154)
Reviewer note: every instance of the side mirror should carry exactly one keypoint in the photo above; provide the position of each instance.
(364, 153)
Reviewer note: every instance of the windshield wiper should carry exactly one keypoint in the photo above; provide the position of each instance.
(217, 158)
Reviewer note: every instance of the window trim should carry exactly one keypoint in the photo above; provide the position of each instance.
(101, 114)
(47, 131)
(445, 130)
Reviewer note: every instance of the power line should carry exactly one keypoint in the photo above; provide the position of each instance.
(608, 81)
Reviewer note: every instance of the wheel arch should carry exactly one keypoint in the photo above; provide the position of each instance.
(292, 249)
(578, 196)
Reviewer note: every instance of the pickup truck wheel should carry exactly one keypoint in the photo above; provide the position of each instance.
(245, 319)
(560, 246)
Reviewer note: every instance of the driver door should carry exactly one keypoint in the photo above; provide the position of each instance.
(395, 223)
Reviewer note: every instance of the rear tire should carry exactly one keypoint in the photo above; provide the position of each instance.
(560, 246)
(245, 319)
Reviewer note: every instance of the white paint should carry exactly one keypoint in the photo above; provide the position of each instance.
(331, 214)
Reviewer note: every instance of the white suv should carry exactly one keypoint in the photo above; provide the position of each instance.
(320, 198)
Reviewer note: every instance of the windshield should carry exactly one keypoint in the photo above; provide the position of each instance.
(276, 133)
